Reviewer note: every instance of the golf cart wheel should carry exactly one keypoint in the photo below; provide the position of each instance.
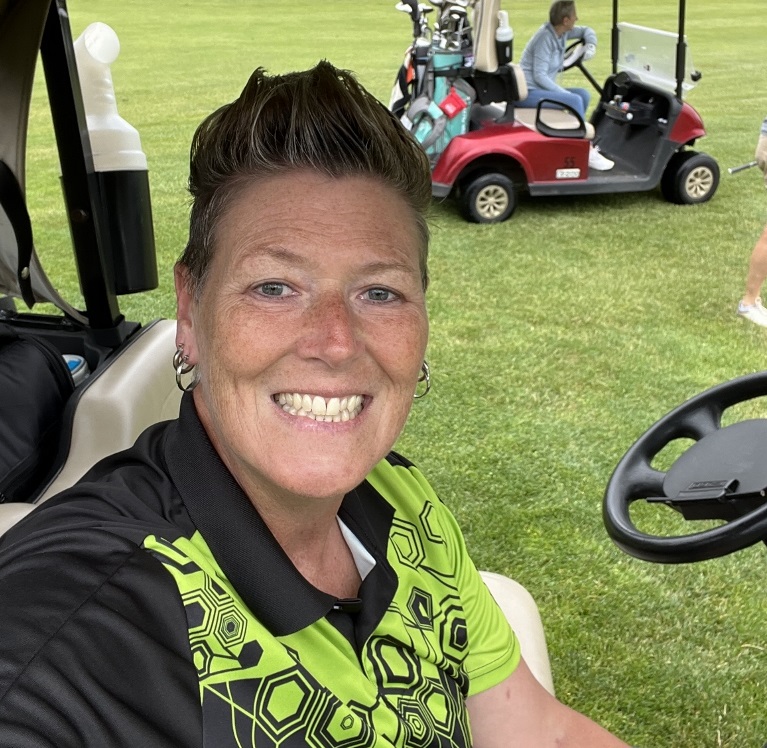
(690, 178)
(489, 199)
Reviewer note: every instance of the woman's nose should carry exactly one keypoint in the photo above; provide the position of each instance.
(332, 330)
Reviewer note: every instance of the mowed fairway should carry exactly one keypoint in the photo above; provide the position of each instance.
(557, 338)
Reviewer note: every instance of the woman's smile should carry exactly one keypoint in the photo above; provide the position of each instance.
(318, 408)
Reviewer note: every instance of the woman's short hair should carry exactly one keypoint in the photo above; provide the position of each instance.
(561, 9)
(320, 119)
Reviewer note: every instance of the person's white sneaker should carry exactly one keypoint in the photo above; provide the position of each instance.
(754, 312)
(597, 161)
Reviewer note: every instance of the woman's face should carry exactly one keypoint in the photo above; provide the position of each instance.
(309, 332)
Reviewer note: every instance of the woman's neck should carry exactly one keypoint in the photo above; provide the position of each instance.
(307, 530)
(320, 553)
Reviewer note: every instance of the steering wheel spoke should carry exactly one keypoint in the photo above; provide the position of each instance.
(701, 421)
(574, 54)
(643, 481)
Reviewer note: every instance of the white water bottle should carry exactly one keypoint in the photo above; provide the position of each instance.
(115, 144)
(504, 39)
(120, 166)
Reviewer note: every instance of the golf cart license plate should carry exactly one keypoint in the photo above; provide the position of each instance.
(568, 173)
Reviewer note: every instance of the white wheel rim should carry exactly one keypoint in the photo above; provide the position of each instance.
(699, 182)
(492, 201)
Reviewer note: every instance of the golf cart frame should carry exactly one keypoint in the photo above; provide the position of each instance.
(647, 129)
(109, 214)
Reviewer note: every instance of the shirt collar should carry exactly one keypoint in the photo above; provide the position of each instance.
(245, 549)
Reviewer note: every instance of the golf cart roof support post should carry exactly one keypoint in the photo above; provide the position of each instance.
(681, 51)
(615, 39)
(81, 192)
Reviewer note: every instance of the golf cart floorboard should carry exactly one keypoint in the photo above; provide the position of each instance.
(621, 178)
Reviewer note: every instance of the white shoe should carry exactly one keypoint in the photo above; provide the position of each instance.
(754, 312)
(597, 161)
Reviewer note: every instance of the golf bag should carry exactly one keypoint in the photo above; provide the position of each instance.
(443, 110)
(36, 385)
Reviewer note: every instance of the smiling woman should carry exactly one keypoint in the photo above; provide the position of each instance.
(264, 570)
(337, 313)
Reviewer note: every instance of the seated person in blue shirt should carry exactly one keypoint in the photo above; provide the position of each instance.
(543, 58)
(265, 570)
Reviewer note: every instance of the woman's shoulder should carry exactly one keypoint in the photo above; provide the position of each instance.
(397, 478)
(74, 606)
(130, 493)
(407, 490)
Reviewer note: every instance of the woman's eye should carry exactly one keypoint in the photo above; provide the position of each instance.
(380, 294)
(273, 289)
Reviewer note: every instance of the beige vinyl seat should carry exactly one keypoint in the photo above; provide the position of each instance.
(556, 119)
(108, 411)
(137, 389)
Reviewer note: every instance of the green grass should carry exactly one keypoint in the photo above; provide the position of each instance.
(557, 339)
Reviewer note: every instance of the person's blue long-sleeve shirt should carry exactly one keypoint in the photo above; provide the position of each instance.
(544, 55)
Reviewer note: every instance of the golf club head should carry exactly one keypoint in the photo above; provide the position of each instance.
(409, 6)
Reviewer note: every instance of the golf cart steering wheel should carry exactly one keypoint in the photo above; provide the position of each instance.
(722, 476)
(574, 54)
(574, 59)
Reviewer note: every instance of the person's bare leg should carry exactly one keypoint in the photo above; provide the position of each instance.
(757, 270)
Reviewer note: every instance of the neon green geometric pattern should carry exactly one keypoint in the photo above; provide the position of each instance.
(407, 687)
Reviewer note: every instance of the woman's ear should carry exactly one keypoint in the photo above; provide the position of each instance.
(185, 328)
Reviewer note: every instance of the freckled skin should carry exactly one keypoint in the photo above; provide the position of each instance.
(314, 287)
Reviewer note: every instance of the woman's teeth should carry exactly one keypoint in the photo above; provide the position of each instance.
(332, 410)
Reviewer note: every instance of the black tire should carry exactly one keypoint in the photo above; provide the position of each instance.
(489, 199)
(690, 178)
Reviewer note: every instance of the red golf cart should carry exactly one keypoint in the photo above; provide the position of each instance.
(641, 122)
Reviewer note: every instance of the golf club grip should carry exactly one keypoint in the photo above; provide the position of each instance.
(736, 169)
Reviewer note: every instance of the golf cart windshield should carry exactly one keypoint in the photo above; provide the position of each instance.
(650, 55)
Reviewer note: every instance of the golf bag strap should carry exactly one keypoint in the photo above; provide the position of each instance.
(421, 106)
(12, 202)
(400, 94)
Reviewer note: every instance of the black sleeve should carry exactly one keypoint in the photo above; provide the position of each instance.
(94, 649)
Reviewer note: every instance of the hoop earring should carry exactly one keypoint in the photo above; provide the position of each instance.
(425, 377)
(182, 366)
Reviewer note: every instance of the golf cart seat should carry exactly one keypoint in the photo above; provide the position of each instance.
(133, 390)
(108, 412)
(495, 85)
(553, 119)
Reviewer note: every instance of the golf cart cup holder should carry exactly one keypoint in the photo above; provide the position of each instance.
(120, 166)
(722, 476)
(127, 210)
(640, 113)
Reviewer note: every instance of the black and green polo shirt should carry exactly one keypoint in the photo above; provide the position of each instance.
(150, 606)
